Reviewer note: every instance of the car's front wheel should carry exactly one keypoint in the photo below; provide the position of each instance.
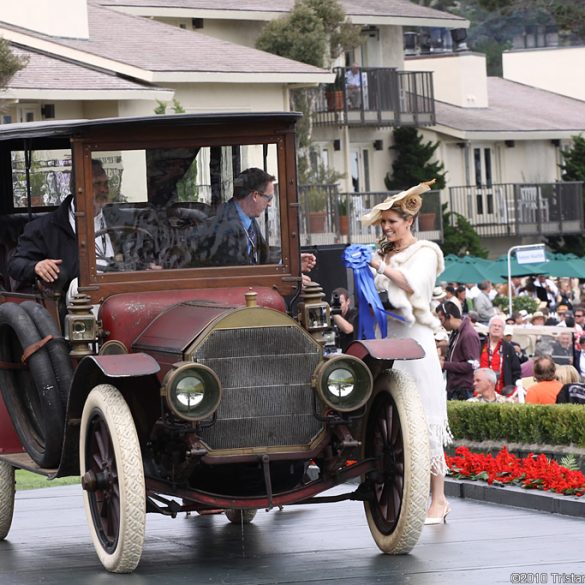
(396, 437)
(6, 498)
(112, 477)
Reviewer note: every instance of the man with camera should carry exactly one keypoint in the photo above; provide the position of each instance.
(346, 319)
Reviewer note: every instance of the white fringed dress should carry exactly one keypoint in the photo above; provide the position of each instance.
(420, 264)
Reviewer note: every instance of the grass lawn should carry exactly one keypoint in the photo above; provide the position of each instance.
(25, 480)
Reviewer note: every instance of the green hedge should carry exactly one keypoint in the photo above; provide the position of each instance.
(555, 424)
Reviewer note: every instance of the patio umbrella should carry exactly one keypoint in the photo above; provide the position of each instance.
(501, 268)
(465, 269)
(564, 265)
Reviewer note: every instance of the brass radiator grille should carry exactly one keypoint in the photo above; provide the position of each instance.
(266, 376)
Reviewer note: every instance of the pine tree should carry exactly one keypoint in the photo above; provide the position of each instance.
(459, 237)
(413, 163)
(573, 165)
(573, 168)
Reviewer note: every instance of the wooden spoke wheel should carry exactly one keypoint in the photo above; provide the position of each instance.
(112, 477)
(396, 436)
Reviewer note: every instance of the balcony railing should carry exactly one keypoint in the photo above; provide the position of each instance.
(521, 209)
(386, 97)
(330, 217)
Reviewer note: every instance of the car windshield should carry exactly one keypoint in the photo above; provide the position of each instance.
(168, 208)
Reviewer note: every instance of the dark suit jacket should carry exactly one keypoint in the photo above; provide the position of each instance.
(49, 236)
(225, 241)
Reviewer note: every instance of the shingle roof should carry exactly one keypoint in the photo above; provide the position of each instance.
(158, 47)
(51, 73)
(515, 108)
(353, 8)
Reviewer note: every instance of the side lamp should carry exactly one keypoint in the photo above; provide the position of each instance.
(314, 312)
(81, 326)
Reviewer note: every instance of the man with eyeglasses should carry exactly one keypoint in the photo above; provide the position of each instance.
(234, 236)
(47, 249)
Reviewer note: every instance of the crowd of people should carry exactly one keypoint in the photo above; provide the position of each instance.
(533, 355)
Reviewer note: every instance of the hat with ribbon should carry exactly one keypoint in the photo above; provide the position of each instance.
(408, 201)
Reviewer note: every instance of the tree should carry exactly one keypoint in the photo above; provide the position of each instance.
(175, 105)
(569, 15)
(315, 32)
(9, 63)
(413, 163)
(573, 167)
(459, 237)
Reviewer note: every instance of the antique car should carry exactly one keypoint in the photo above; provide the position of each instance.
(170, 380)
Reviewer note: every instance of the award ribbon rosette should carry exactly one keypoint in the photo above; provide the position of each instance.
(370, 308)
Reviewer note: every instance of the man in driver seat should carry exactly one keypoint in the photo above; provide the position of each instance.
(234, 236)
(48, 244)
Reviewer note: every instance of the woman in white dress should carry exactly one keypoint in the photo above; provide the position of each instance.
(406, 268)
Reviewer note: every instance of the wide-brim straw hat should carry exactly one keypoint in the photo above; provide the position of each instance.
(373, 216)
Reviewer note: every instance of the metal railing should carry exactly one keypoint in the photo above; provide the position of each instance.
(330, 217)
(520, 209)
(386, 97)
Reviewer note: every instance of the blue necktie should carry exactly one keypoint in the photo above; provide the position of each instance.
(253, 237)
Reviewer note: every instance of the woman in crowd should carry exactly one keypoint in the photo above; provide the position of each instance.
(407, 269)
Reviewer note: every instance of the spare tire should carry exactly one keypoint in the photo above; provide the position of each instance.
(30, 393)
(58, 348)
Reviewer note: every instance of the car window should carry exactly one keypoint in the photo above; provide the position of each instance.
(50, 177)
(171, 207)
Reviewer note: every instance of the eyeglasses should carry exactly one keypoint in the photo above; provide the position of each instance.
(268, 198)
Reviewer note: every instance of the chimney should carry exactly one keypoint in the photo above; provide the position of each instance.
(57, 18)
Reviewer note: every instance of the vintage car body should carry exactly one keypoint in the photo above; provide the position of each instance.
(171, 381)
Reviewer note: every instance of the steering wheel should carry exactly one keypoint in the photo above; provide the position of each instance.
(133, 256)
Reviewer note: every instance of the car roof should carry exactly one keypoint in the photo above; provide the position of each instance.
(55, 128)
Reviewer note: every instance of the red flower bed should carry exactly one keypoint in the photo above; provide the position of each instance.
(531, 472)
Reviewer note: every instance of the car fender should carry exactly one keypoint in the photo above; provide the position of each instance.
(135, 375)
(107, 369)
(379, 354)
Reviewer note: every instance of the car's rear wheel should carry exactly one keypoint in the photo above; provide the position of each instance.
(7, 489)
(112, 477)
(240, 516)
(396, 436)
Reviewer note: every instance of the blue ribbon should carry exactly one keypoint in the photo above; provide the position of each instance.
(370, 308)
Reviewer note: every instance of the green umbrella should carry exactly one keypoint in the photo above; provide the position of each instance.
(464, 269)
(501, 268)
(564, 265)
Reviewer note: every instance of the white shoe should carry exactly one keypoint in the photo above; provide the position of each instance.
(433, 520)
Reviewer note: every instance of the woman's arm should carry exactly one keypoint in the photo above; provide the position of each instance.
(391, 273)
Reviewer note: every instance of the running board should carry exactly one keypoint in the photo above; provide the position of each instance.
(24, 461)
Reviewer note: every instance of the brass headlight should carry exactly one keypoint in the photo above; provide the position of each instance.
(344, 383)
(193, 391)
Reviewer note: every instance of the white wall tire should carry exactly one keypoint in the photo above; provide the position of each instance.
(240, 516)
(396, 434)
(7, 490)
(112, 476)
